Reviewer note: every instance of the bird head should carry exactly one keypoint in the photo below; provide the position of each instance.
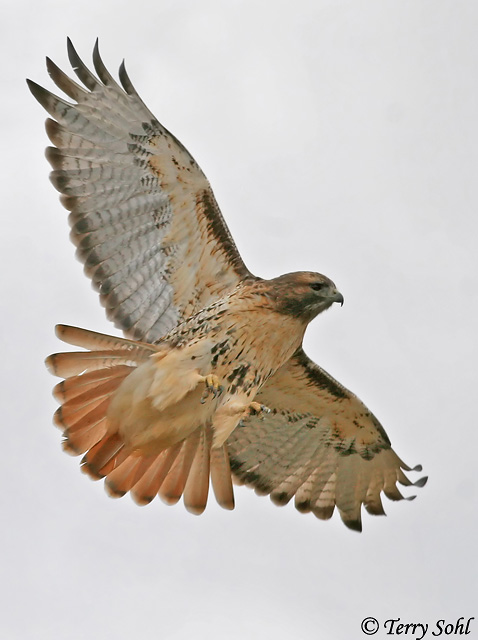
(304, 294)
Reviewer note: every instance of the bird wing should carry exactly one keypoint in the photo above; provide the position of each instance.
(143, 216)
(318, 443)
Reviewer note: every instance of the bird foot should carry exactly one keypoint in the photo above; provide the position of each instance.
(256, 409)
(213, 386)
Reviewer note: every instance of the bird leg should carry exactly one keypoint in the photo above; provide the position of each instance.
(213, 385)
(228, 416)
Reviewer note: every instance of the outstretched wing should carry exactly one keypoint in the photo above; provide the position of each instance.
(320, 444)
(143, 216)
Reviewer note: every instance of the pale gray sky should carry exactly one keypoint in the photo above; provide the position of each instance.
(339, 136)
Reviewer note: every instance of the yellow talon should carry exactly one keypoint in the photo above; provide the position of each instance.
(213, 385)
(212, 382)
(255, 408)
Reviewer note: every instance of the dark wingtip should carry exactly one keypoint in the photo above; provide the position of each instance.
(70, 48)
(354, 525)
(38, 92)
(375, 509)
(304, 506)
(324, 513)
(96, 49)
(280, 499)
(73, 56)
(79, 67)
(54, 157)
(103, 73)
(421, 482)
(125, 81)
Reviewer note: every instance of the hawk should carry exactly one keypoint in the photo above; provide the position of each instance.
(211, 383)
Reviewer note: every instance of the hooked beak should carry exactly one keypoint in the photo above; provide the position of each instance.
(338, 297)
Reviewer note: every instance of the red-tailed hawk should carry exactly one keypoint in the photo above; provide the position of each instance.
(211, 381)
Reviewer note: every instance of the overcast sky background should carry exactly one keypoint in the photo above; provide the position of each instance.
(339, 136)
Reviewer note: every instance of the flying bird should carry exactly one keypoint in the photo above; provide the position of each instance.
(210, 383)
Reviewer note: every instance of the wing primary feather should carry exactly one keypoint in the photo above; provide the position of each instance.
(125, 81)
(421, 482)
(79, 67)
(373, 501)
(131, 91)
(103, 73)
(106, 141)
(63, 82)
(49, 101)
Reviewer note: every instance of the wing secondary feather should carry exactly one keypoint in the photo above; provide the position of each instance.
(320, 444)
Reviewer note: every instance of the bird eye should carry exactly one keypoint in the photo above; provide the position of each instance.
(317, 286)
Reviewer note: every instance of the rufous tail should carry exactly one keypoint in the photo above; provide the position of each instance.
(91, 379)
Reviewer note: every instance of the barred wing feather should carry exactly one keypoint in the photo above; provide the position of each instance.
(320, 444)
(143, 216)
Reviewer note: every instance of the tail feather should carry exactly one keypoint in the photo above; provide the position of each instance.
(197, 483)
(82, 415)
(147, 487)
(76, 385)
(173, 486)
(67, 364)
(104, 452)
(80, 440)
(120, 480)
(91, 379)
(100, 341)
(115, 461)
(126, 476)
(221, 477)
(88, 396)
(85, 415)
